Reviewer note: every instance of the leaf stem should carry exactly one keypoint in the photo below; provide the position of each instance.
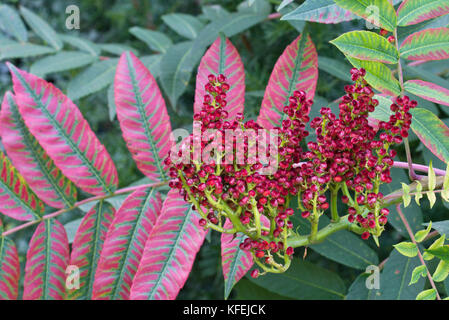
(412, 237)
(80, 203)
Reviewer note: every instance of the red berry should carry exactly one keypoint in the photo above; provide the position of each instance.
(255, 273)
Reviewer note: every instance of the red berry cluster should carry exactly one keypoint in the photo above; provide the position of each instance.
(348, 154)
(349, 150)
(256, 203)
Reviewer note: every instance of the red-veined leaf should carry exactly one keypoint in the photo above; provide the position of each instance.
(378, 12)
(428, 91)
(9, 268)
(322, 11)
(235, 261)
(143, 116)
(432, 132)
(87, 246)
(65, 135)
(31, 160)
(429, 44)
(124, 245)
(170, 251)
(416, 11)
(222, 58)
(378, 75)
(47, 260)
(296, 69)
(17, 200)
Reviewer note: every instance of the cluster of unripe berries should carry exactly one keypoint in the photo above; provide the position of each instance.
(348, 154)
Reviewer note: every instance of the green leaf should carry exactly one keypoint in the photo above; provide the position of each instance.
(378, 75)
(395, 277)
(176, 69)
(428, 91)
(430, 294)
(117, 48)
(359, 291)
(366, 45)
(407, 249)
(112, 108)
(215, 12)
(305, 281)
(153, 63)
(441, 226)
(435, 245)
(441, 253)
(431, 185)
(230, 25)
(283, 4)
(445, 192)
(41, 28)
(418, 272)
(185, 25)
(422, 234)
(335, 67)
(93, 79)
(64, 60)
(406, 194)
(82, 44)
(432, 132)
(246, 290)
(429, 44)
(416, 11)
(378, 12)
(323, 11)
(262, 7)
(155, 40)
(11, 22)
(418, 191)
(425, 73)
(23, 50)
(441, 272)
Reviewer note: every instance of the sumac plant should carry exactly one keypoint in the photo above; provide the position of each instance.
(294, 178)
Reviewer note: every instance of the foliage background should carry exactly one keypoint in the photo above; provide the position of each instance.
(259, 47)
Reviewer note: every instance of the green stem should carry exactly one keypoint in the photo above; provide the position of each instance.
(301, 241)
(334, 200)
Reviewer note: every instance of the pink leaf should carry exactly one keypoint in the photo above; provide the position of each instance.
(17, 200)
(9, 268)
(170, 251)
(222, 58)
(47, 259)
(124, 244)
(143, 116)
(87, 246)
(65, 135)
(235, 261)
(31, 160)
(296, 69)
